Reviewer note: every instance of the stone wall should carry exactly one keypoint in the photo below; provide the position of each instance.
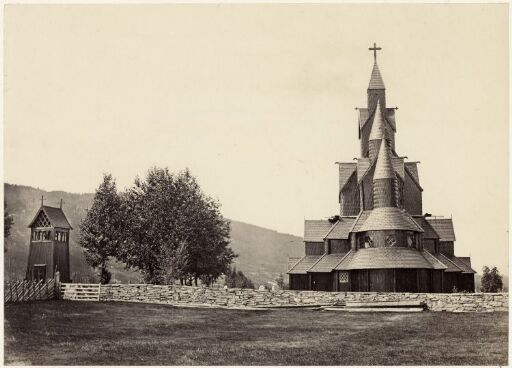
(187, 295)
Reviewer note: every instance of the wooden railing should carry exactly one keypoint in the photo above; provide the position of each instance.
(80, 292)
(24, 290)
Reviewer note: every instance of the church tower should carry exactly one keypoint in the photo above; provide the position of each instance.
(49, 244)
(380, 241)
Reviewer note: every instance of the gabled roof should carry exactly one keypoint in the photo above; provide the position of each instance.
(396, 257)
(292, 261)
(364, 117)
(436, 264)
(346, 171)
(345, 261)
(55, 215)
(364, 166)
(444, 227)
(315, 230)
(341, 229)
(376, 81)
(450, 266)
(429, 233)
(460, 264)
(388, 218)
(412, 167)
(304, 264)
(327, 262)
(360, 220)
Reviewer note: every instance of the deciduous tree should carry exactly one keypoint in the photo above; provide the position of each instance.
(492, 281)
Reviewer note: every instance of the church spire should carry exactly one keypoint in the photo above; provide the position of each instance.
(376, 81)
(384, 194)
(377, 134)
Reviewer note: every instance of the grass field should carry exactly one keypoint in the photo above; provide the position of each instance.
(95, 333)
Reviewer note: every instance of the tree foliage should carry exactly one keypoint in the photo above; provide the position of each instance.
(492, 281)
(173, 231)
(8, 222)
(237, 279)
(102, 227)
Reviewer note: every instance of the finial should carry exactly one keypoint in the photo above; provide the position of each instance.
(61, 201)
(374, 49)
(42, 201)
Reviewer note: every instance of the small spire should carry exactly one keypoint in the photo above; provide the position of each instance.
(378, 130)
(376, 81)
(384, 167)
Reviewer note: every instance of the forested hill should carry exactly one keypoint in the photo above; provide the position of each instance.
(262, 253)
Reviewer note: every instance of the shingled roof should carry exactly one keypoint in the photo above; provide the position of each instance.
(315, 230)
(364, 117)
(429, 232)
(436, 263)
(327, 262)
(373, 258)
(341, 229)
(388, 218)
(364, 165)
(346, 171)
(443, 227)
(460, 264)
(376, 81)
(55, 215)
(378, 130)
(450, 266)
(304, 264)
(384, 168)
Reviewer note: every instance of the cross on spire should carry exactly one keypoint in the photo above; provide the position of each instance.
(374, 49)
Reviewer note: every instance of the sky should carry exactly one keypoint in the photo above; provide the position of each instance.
(258, 101)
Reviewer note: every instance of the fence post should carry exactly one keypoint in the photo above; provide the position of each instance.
(57, 285)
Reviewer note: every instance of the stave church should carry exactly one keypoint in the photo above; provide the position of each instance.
(381, 241)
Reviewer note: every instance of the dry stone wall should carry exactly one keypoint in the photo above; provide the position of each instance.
(187, 295)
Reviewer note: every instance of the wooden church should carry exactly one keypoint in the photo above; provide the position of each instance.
(49, 244)
(381, 241)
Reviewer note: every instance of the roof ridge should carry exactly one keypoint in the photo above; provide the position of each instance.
(314, 264)
(331, 229)
(449, 260)
(341, 260)
(296, 263)
(430, 255)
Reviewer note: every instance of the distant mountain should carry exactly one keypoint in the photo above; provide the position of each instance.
(262, 253)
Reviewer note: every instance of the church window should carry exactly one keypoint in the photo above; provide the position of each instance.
(391, 241)
(343, 277)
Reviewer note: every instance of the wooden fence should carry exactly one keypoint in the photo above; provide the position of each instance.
(81, 292)
(20, 291)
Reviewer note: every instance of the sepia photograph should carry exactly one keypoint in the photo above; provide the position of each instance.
(256, 184)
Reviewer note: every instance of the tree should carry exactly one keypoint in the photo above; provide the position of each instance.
(8, 222)
(237, 279)
(492, 281)
(174, 231)
(280, 282)
(101, 229)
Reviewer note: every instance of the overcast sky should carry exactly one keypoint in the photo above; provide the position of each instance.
(258, 101)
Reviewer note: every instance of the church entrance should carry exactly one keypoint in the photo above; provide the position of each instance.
(39, 272)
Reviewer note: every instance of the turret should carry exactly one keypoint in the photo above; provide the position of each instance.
(384, 179)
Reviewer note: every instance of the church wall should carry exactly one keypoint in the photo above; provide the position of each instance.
(429, 245)
(367, 184)
(314, 248)
(321, 281)
(412, 196)
(446, 247)
(437, 281)
(425, 282)
(450, 282)
(466, 282)
(349, 199)
(299, 282)
(339, 245)
(61, 257)
(406, 280)
(381, 280)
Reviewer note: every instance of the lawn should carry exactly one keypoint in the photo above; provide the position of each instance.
(97, 333)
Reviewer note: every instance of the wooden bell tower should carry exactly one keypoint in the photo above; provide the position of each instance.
(49, 244)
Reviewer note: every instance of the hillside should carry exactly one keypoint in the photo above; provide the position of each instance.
(262, 253)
